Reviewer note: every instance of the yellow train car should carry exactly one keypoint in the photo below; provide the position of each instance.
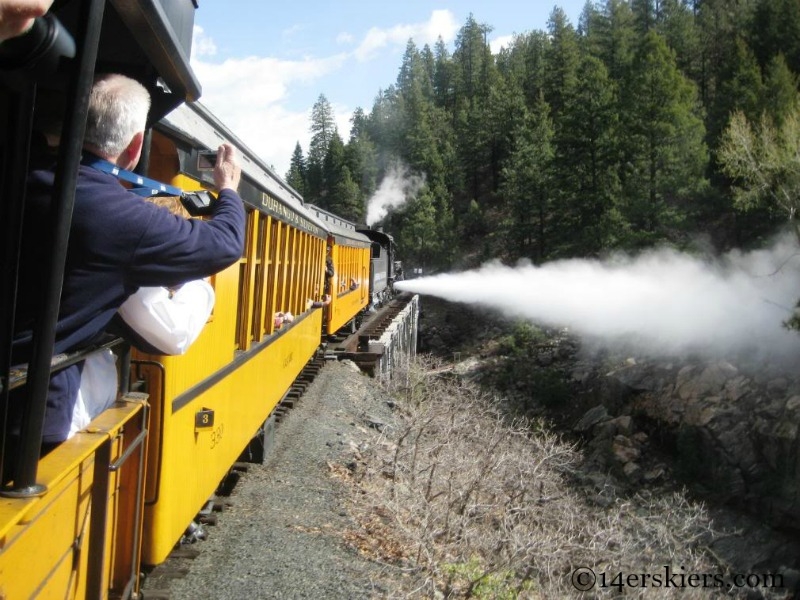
(208, 404)
(71, 521)
(348, 284)
(80, 539)
(81, 522)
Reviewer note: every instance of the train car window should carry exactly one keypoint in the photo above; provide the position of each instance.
(306, 275)
(291, 260)
(314, 289)
(298, 272)
(287, 269)
(272, 274)
(342, 268)
(281, 267)
(299, 300)
(348, 270)
(260, 285)
(319, 269)
(295, 271)
(245, 283)
(345, 270)
(305, 293)
(290, 306)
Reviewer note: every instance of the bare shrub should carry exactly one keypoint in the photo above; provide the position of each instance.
(469, 504)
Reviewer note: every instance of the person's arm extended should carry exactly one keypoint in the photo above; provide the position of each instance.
(175, 250)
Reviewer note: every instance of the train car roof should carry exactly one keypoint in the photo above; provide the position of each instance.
(376, 235)
(343, 231)
(164, 30)
(148, 40)
(199, 127)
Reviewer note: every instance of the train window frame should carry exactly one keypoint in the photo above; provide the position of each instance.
(258, 329)
(276, 275)
(245, 285)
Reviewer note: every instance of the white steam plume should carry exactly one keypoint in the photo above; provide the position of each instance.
(397, 187)
(662, 300)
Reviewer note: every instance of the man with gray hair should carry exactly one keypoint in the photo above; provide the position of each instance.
(118, 241)
(116, 120)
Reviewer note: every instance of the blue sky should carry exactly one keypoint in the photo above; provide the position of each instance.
(262, 65)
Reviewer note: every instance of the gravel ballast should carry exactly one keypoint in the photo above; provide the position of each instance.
(281, 534)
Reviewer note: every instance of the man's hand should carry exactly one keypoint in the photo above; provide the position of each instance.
(227, 171)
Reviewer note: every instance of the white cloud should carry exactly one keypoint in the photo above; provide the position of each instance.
(250, 95)
(341, 115)
(293, 31)
(345, 38)
(441, 24)
(501, 42)
(258, 81)
(202, 44)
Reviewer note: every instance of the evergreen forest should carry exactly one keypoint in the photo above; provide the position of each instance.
(647, 122)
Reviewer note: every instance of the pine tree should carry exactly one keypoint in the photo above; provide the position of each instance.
(611, 36)
(361, 155)
(625, 152)
(429, 68)
(323, 128)
(475, 73)
(780, 90)
(346, 199)
(385, 126)
(720, 24)
(740, 89)
(473, 61)
(359, 124)
(645, 15)
(419, 240)
(296, 176)
(775, 29)
(561, 62)
(662, 134)
(522, 64)
(527, 186)
(443, 84)
(341, 194)
(588, 166)
(676, 23)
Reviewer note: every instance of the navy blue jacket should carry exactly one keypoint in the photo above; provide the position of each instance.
(118, 243)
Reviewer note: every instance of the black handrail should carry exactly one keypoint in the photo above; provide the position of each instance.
(15, 166)
(24, 471)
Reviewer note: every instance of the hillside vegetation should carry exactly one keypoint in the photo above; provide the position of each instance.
(464, 502)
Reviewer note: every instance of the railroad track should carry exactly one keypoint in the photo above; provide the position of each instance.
(359, 346)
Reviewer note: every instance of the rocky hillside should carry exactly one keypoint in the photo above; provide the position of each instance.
(727, 429)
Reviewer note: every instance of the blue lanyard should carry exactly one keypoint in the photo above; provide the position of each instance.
(142, 186)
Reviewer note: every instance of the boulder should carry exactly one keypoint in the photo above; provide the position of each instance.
(734, 436)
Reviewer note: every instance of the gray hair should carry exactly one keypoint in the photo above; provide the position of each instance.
(118, 107)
